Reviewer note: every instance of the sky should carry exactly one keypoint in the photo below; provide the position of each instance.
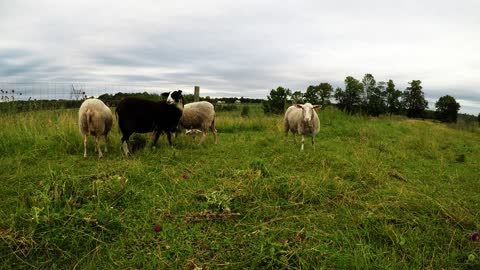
(245, 48)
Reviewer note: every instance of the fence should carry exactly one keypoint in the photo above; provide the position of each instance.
(53, 90)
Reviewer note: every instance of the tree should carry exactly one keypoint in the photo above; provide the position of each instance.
(297, 97)
(393, 98)
(277, 100)
(339, 95)
(414, 100)
(369, 85)
(447, 109)
(376, 100)
(319, 94)
(312, 95)
(325, 91)
(350, 99)
(374, 96)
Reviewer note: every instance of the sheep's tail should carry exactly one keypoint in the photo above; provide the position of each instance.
(89, 114)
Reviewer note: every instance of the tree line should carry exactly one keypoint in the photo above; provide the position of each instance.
(367, 97)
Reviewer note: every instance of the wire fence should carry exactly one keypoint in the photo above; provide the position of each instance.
(53, 90)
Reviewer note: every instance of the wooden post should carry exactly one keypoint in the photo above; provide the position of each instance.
(196, 95)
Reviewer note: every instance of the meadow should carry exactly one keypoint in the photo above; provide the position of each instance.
(376, 193)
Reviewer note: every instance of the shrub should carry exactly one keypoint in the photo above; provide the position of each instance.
(245, 111)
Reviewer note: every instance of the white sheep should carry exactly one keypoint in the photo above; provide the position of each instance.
(199, 115)
(302, 120)
(94, 118)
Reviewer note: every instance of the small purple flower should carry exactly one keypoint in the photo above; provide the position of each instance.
(158, 228)
(185, 176)
(475, 236)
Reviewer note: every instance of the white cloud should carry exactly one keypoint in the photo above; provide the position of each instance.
(245, 47)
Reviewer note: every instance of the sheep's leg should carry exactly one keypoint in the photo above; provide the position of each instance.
(85, 146)
(97, 146)
(156, 134)
(204, 136)
(125, 148)
(214, 131)
(294, 137)
(169, 137)
(303, 141)
(286, 135)
(125, 145)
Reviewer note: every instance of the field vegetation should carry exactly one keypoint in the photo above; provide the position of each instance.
(376, 193)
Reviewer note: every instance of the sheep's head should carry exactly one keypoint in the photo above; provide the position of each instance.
(307, 110)
(174, 97)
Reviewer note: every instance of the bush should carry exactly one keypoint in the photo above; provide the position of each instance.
(277, 101)
(245, 111)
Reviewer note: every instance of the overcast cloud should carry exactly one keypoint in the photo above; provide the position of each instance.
(245, 48)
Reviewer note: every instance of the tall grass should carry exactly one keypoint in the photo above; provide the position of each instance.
(376, 193)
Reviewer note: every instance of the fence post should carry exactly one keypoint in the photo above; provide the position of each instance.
(196, 95)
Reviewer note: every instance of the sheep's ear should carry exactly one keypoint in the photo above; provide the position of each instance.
(300, 106)
(165, 94)
(316, 107)
(179, 91)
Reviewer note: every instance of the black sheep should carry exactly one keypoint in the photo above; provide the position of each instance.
(142, 116)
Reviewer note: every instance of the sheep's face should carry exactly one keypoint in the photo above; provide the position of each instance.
(174, 97)
(307, 111)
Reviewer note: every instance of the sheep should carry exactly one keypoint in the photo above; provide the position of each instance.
(142, 116)
(199, 115)
(303, 120)
(94, 118)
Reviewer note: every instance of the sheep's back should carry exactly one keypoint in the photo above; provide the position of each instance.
(101, 114)
(293, 118)
(197, 115)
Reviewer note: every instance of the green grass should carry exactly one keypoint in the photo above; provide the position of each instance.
(386, 193)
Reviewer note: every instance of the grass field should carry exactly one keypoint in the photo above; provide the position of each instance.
(386, 193)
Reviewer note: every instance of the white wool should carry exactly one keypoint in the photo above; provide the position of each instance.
(294, 121)
(95, 118)
(199, 115)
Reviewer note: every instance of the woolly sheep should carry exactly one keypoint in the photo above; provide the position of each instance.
(302, 120)
(94, 118)
(199, 115)
(142, 116)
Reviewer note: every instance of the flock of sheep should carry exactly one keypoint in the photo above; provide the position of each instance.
(136, 115)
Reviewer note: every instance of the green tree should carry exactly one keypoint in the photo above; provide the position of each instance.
(414, 100)
(393, 98)
(297, 97)
(447, 109)
(312, 95)
(339, 95)
(319, 94)
(351, 99)
(277, 100)
(369, 85)
(325, 91)
(376, 100)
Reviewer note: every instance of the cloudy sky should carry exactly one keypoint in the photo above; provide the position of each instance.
(245, 48)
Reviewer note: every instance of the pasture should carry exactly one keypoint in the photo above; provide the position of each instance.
(386, 193)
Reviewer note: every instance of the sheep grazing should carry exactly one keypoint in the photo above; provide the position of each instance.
(142, 116)
(94, 118)
(303, 120)
(199, 115)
